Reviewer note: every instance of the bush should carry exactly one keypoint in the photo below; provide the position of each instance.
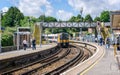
(7, 40)
(7, 36)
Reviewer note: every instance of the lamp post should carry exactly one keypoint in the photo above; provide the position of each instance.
(29, 19)
(0, 30)
(17, 38)
(81, 10)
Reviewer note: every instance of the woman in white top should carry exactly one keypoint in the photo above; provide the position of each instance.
(24, 44)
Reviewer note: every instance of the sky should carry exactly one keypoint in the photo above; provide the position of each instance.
(61, 9)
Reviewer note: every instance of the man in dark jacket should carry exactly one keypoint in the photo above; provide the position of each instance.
(34, 44)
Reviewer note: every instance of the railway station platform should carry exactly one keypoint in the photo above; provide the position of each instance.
(105, 66)
(102, 62)
(21, 52)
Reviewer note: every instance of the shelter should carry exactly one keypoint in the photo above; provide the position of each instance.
(23, 33)
(115, 21)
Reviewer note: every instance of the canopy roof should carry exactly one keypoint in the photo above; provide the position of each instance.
(115, 19)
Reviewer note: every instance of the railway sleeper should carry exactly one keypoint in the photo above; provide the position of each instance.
(46, 64)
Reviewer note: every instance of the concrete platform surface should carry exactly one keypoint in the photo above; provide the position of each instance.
(106, 66)
(21, 52)
(83, 66)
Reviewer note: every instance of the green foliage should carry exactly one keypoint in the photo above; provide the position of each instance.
(24, 22)
(46, 19)
(50, 19)
(7, 40)
(72, 19)
(105, 17)
(12, 17)
(27, 21)
(79, 18)
(47, 31)
(7, 36)
(88, 18)
(97, 19)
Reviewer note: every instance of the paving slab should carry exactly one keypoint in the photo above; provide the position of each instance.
(106, 66)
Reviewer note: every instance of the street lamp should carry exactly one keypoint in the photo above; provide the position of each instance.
(81, 10)
(17, 38)
(0, 30)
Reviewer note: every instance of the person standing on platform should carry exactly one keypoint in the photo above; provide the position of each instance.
(108, 43)
(34, 44)
(95, 40)
(24, 44)
(118, 43)
(101, 41)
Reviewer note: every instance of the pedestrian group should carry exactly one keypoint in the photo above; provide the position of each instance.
(25, 44)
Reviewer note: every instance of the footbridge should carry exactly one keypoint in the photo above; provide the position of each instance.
(69, 24)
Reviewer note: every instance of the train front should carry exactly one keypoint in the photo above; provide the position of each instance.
(63, 40)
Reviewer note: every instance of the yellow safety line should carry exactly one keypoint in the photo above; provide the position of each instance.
(92, 65)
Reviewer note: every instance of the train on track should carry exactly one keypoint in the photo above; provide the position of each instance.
(62, 39)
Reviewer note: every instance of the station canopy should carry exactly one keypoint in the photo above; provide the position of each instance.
(115, 16)
(115, 21)
(22, 33)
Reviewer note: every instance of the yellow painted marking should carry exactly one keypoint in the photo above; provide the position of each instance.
(115, 50)
(92, 65)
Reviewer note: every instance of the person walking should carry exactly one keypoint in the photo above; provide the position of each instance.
(34, 44)
(101, 41)
(108, 43)
(24, 44)
(118, 43)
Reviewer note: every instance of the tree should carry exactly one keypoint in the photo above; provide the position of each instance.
(72, 19)
(28, 21)
(41, 18)
(105, 17)
(7, 36)
(24, 22)
(97, 19)
(50, 19)
(88, 18)
(12, 17)
(79, 18)
(47, 19)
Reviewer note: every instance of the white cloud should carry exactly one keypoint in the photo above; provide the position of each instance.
(112, 2)
(63, 15)
(35, 7)
(5, 9)
(94, 7)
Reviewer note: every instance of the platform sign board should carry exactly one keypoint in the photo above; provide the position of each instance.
(115, 21)
(24, 29)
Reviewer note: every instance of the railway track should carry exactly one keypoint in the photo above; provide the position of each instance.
(30, 66)
(7, 71)
(55, 64)
(83, 55)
